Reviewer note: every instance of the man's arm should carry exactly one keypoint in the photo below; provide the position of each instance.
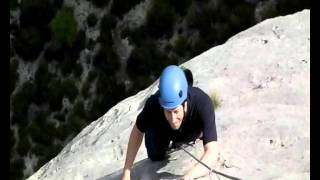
(209, 157)
(133, 147)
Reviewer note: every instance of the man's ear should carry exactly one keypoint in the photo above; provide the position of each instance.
(185, 107)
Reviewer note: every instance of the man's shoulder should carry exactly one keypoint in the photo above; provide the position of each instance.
(198, 96)
(153, 101)
(196, 91)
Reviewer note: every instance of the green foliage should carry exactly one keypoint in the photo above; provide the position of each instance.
(106, 60)
(78, 44)
(160, 18)
(92, 75)
(13, 4)
(60, 117)
(16, 168)
(55, 94)
(42, 78)
(147, 60)
(28, 43)
(54, 51)
(37, 13)
(70, 89)
(120, 7)
(285, 7)
(77, 71)
(63, 132)
(68, 64)
(108, 22)
(139, 62)
(14, 76)
(21, 100)
(181, 46)
(64, 27)
(139, 83)
(23, 146)
(100, 3)
(37, 127)
(79, 110)
(92, 20)
(181, 7)
(76, 123)
(215, 99)
(137, 36)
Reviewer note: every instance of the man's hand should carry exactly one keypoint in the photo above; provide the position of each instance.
(207, 158)
(126, 175)
(188, 177)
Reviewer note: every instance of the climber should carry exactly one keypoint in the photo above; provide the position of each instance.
(178, 113)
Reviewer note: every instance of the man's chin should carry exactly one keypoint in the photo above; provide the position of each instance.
(175, 127)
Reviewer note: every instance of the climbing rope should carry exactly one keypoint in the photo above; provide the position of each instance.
(210, 169)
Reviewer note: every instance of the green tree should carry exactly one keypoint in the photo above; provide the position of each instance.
(160, 18)
(64, 27)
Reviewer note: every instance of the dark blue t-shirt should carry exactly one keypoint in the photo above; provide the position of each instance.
(200, 118)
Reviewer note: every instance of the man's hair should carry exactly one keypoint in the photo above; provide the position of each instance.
(189, 76)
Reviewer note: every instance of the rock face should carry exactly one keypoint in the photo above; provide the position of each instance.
(262, 76)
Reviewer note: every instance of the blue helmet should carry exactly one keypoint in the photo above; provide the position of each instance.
(173, 87)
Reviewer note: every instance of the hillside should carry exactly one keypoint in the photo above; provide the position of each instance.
(262, 76)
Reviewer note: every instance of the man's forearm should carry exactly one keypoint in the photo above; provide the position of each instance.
(133, 147)
(209, 157)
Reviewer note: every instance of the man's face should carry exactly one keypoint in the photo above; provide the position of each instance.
(174, 116)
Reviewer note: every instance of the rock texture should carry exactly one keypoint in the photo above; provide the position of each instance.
(262, 76)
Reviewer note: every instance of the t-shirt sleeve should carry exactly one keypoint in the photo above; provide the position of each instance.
(143, 116)
(207, 115)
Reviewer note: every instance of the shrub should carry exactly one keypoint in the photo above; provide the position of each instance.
(92, 20)
(54, 51)
(106, 60)
(181, 7)
(14, 76)
(215, 99)
(139, 62)
(77, 71)
(108, 22)
(76, 123)
(36, 13)
(21, 100)
(137, 36)
(78, 44)
(55, 94)
(70, 89)
(36, 132)
(181, 46)
(23, 146)
(286, 7)
(64, 27)
(12, 141)
(13, 4)
(42, 78)
(63, 132)
(16, 168)
(160, 18)
(120, 7)
(138, 84)
(79, 110)
(60, 117)
(28, 43)
(39, 150)
(100, 3)
(87, 84)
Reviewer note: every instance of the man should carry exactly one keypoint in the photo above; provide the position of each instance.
(177, 112)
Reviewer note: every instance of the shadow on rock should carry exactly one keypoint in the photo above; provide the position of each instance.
(144, 170)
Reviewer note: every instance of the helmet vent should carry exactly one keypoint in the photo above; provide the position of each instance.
(180, 93)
